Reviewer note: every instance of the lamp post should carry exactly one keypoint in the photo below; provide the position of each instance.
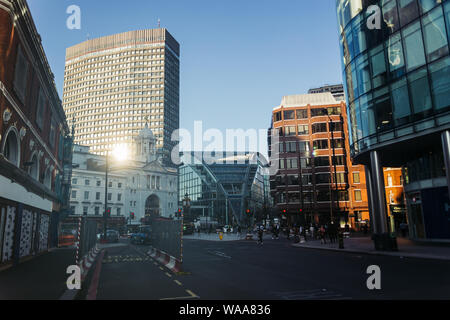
(333, 160)
(105, 214)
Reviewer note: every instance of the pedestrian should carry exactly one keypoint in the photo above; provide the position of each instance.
(260, 234)
(322, 235)
(311, 229)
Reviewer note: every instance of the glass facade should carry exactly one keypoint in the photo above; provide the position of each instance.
(222, 187)
(397, 78)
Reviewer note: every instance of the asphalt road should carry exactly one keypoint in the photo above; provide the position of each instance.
(274, 270)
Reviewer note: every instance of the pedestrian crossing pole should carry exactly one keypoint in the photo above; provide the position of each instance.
(78, 241)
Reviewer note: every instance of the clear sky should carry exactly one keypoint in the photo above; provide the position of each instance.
(238, 57)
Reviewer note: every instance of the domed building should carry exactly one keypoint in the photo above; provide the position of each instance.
(138, 186)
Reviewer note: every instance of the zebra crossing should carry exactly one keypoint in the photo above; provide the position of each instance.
(125, 258)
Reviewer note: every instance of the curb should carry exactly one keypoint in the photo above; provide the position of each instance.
(377, 253)
(85, 265)
(165, 259)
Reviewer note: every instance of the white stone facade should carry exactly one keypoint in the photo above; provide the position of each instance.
(132, 184)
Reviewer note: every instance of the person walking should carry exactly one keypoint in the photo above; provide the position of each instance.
(260, 234)
(322, 235)
(311, 229)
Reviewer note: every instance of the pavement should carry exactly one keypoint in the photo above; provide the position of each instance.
(406, 248)
(40, 278)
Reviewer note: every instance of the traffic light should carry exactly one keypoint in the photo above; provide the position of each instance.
(179, 213)
(108, 212)
(301, 210)
(132, 215)
(248, 211)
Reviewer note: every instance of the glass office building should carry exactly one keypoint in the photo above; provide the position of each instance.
(397, 85)
(230, 188)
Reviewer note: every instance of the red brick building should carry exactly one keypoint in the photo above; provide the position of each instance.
(32, 137)
(313, 144)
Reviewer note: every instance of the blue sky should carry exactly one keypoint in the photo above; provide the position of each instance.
(238, 57)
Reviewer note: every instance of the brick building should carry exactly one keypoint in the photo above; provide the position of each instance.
(33, 131)
(309, 140)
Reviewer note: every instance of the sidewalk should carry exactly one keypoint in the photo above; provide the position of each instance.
(41, 278)
(226, 236)
(406, 248)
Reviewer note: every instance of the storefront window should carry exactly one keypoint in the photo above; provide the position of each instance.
(414, 51)
(435, 35)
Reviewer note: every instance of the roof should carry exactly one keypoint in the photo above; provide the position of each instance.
(313, 99)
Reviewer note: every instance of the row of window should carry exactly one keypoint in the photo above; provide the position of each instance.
(98, 195)
(98, 183)
(321, 196)
(303, 113)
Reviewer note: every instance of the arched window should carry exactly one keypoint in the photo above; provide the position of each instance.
(11, 148)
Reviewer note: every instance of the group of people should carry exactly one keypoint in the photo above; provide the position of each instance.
(315, 231)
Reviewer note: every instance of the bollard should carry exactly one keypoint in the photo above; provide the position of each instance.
(341, 240)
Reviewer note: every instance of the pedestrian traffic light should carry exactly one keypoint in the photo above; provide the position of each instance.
(301, 210)
(108, 212)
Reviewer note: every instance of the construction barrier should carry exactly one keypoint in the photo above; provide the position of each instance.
(166, 236)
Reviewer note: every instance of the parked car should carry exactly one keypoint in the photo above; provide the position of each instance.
(112, 236)
(228, 229)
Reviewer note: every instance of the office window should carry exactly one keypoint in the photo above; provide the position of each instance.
(390, 15)
(97, 196)
(303, 129)
(400, 101)
(119, 197)
(414, 50)
(420, 91)
(319, 127)
(408, 11)
(277, 117)
(436, 43)
(395, 56)
(336, 126)
(338, 160)
(109, 196)
(321, 161)
(340, 176)
(303, 146)
(342, 195)
(86, 182)
(440, 82)
(378, 63)
(118, 211)
(291, 147)
(74, 181)
(292, 163)
(320, 144)
(356, 178)
(85, 211)
(74, 194)
(289, 115)
(358, 196)
(86, 195)
(305, 162)
(302, 114)
(97, 211)
(323, 178)
(290, 131)
(427, 5)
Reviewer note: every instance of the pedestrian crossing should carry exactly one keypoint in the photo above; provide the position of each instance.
(315, 294)
(125, 258)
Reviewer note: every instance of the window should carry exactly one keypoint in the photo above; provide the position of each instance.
(427, 5)
(74, 181)
(321, 161)
(118, 211)
(420, 91)
(389, 180)
(320, 144)
(97, 196)
(322, 178)
(408, 11)
(378, 63)
(291, 163)
(356, 178)
(74, 194)
(303, 129)
(86, 182)
(291, 147)
(335, 126)
(97, 211)
(319, 127)
(109, 196)
(110, 184)
(395, 56)
(277, 117)
(302, 114)
(440, 82)
(390, 15)
(86, 195)
(340, 177)
(119, 197)
(434, 33)
(400, 101)
(337, 143)
(52, 134)
(414, 51)
(290, 131)
(158, 183)
(342, 195)
(99, 183)
(303, 146)
(338, 160)
(20, 74)
(289, 115)
(85, 211)
(40, 109)
(305, 162)
(358, 196)
(119, 185)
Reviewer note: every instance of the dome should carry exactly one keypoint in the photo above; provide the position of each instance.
(146, 133)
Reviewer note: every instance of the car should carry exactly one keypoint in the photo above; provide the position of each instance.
(142, 236)
(112, 236)
(228, 229)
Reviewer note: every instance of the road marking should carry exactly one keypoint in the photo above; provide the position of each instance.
(167, 274)
(178, 282)
(192, 294)
(161, 268)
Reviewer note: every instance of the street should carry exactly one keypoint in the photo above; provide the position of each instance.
(238, 270)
